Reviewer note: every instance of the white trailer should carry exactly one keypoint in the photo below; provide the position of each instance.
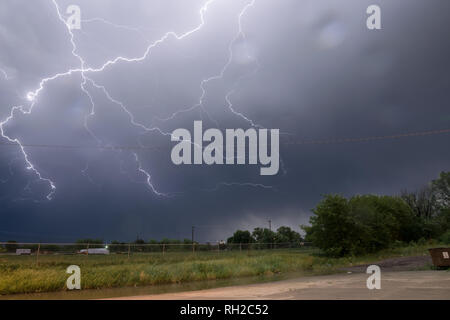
(21, 252)
(95, 251)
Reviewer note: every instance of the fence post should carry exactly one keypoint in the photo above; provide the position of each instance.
(37, 254)
(164, 248)
(193, 247)
(129, 251)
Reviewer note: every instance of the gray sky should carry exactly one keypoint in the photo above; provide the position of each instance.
(309, 68)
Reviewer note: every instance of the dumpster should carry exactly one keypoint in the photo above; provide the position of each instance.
(440, 256)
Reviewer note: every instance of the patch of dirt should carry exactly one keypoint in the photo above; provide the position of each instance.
(397, 264)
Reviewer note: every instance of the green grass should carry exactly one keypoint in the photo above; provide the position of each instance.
(21, 274)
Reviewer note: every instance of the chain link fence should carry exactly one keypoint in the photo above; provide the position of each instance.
(130, 249)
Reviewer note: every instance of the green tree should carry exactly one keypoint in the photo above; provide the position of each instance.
(287, 235)
(264, 235)
(333, 227)
(422, 202)
(139, 241)
(363, 224)
(383, 220)
(441, 189)
(241, 237)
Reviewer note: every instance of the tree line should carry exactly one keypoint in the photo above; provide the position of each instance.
(265, 236)
(368, 223)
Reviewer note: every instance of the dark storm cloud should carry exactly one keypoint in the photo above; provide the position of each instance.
(309, 68)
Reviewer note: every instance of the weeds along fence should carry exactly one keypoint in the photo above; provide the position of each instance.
(130, 249)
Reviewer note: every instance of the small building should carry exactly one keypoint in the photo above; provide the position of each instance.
(23, 252)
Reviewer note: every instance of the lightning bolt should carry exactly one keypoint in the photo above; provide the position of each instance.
(140, 31)
(32, 96)
(30, 165)
(153, 45)
(149, 178)
(222, 72)
(239, 114)
(240, 184)
(85, 173)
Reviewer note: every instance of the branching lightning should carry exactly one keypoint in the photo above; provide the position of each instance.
(149, 178)
(140, 31)
(240, 184)
(30, 165)
(83, 70)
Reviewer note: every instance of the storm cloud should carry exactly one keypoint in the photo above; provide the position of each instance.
(309, 68)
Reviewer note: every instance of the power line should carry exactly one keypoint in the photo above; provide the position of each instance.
(373, 138)
(289, 142)
(61, 146)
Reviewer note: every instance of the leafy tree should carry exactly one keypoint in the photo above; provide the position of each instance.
(445, 238)
(333, 227)
(362, 224)
(441, 223)
(264, 235)
(287, 235)
(383, 220)
(139, 241)
(422, 202)
(241, 237)
(441, 189)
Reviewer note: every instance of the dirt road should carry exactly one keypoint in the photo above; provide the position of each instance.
(394, 285)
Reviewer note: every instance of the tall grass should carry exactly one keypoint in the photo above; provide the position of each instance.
(22, 274)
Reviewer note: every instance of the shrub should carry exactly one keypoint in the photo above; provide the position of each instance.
(445, 238)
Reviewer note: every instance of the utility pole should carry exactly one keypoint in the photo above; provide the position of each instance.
(270, 228)
(193, 244)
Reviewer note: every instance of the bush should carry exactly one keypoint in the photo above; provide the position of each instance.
(241, 237)
(445, 238)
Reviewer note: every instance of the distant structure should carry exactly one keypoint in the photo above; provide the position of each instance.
(95, 251)
(23, 252)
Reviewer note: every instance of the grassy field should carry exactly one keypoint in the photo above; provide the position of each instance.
(21, 274)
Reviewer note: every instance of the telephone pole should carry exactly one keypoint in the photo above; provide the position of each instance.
(270, 228)
(193, 244)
